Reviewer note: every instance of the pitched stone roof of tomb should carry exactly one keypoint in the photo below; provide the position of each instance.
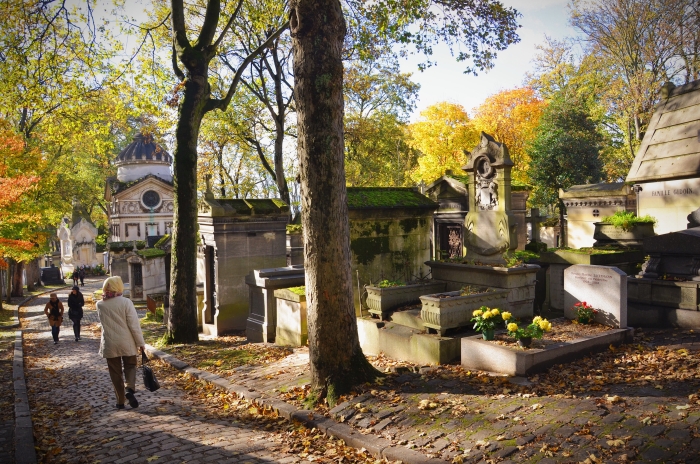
(143, 150)
(671, 145)
(215, 207)
(603, 189)
(388, 197)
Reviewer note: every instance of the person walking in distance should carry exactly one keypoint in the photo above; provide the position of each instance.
(82, 276)
(54, 311)
(121, 339)
(76, 276)
(75, 310)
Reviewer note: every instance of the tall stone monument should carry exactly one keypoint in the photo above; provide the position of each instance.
(490, 227)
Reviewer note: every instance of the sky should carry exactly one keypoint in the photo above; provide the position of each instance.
(446, 82)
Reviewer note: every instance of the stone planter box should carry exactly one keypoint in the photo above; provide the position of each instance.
(489, 356)
(607, 234)
(559, 260)
(382, 300)
(291, 319)
(440, 314)
(519, 281)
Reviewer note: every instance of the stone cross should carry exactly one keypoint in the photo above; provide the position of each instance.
(422, 187)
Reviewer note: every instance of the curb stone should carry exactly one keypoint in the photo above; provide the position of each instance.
(24, 433)
(377, 446)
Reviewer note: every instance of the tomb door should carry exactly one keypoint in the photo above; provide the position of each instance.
(137, 282)
(210, 285)
(450, 240)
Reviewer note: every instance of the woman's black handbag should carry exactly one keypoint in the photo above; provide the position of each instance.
(149, 378)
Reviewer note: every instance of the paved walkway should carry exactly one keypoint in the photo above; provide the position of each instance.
(72, 403)
(645, 423)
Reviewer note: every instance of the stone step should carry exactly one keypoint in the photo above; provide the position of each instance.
(409, 318)
(405, 343)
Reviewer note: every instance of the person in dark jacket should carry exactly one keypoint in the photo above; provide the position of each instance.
(54, 311)
(75, 310)
(82, 276)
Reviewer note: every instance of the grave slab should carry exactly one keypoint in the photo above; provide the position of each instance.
(603, 287)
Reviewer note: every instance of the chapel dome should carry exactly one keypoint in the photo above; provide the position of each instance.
(141, 158)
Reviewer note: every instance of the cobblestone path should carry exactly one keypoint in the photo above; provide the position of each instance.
(641, 424)
(74, 416)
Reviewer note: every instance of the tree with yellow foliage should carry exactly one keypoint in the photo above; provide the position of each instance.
(511, 117)
(441, 136)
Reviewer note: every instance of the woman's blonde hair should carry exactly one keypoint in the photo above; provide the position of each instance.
(113, 284)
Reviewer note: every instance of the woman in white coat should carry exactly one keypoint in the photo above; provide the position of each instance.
(121, 339)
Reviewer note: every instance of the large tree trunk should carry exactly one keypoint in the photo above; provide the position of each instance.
(8, 281)
(337, 362)
(182, 318)
(33, 275)
(17, 287)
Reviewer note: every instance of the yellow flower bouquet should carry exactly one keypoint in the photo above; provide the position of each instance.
(536, 329)
(485, 320)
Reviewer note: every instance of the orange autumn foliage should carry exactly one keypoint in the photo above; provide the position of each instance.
(14, 242)
(511, 117)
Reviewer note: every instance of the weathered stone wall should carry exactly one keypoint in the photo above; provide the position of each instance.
(241, 247)
(153, 276)
(389, 244)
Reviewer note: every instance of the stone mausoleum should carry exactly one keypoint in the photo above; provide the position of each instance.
(78, 246)
(389, 234)
(666, 170)
(590, 203)
(140, 200)
(238, 236)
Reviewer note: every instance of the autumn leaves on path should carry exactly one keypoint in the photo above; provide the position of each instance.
(75, 421)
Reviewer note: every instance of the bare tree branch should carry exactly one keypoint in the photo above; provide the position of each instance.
(223, 103)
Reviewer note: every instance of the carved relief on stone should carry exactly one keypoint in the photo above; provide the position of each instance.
(486, 186)
(454, 241)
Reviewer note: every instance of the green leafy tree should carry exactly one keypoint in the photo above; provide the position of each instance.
(564, 152)
(378, 101)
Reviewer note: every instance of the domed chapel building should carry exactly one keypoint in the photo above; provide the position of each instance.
(140, 200)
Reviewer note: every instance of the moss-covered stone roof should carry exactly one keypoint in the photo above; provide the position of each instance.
(387, 197)
(150, 253)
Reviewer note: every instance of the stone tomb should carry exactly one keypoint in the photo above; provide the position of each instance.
(292, 328)
(559, 260)
(588, 204)
(238, 236)
(603, 287)
(262, 284)
(667, 291)
(666, 169)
